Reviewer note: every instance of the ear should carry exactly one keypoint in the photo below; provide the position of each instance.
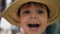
(18, 20)
(48, 22)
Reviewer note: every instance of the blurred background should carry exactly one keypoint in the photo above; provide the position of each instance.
(7, 28)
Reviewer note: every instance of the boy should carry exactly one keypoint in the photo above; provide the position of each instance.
(32, 15)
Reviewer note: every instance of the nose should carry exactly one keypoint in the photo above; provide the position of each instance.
(33, 16)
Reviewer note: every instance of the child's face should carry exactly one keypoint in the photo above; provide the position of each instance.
(33, 19)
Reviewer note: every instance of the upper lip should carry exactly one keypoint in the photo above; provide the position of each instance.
(33, 23)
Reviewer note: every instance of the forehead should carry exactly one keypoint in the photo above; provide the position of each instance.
(32, 4)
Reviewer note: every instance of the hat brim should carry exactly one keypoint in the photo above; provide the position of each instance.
(10, 13)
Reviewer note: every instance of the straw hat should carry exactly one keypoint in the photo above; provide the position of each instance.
(10, 13)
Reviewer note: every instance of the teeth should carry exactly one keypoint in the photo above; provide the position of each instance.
(33, 25)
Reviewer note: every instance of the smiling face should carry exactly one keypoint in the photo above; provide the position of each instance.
(33, 19)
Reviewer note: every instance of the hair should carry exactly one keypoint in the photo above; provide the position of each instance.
(36, 4)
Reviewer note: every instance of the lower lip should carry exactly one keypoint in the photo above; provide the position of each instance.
(34, 29)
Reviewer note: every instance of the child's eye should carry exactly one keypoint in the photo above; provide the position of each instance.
(40, 11)
(26, 12)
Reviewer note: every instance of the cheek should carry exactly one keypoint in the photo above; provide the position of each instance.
(44, 21)
(24, 20)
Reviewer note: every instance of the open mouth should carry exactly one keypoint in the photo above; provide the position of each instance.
(33, 25)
